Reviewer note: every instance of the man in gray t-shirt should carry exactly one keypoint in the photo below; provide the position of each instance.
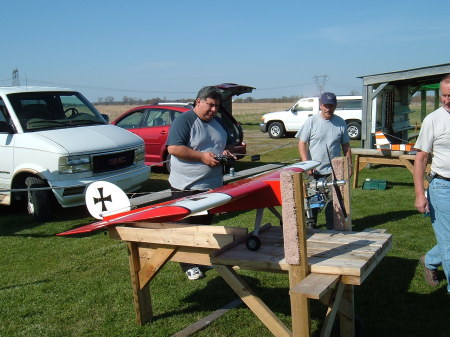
(319, 133)
(195, 139)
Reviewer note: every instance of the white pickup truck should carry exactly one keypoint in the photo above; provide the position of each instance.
(53, 143)
(280, 123)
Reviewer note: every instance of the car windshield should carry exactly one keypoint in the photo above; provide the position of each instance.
(53, 110)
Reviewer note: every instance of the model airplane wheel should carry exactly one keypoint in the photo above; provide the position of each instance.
(253, 243)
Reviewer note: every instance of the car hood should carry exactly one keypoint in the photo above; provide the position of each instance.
(87, 139)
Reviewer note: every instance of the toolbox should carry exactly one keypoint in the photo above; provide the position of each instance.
(374, 184)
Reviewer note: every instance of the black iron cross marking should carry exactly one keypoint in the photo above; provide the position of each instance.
(102, 199)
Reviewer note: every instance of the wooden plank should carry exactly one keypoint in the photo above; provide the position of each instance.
(332, 311)
(316, 285)
(381, 160)
(183, 254)
(141, 297)
(294, 233)
(259, 308)
(204, 322)
(174, 237)
(149, 270)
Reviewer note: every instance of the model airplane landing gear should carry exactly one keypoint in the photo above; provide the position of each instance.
(253, 242)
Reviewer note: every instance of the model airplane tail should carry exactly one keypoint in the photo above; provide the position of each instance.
(246, 194)
(384, 144)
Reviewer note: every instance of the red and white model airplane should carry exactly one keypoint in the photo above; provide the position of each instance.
(107, 202)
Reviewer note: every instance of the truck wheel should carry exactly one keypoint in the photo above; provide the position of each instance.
(354, 130)
(276, 130)
(39, 203)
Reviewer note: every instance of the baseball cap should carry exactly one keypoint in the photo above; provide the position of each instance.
(328, 98)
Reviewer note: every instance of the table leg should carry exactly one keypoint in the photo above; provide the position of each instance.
(141, 297)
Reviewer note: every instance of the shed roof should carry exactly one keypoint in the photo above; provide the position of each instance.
(415, 76)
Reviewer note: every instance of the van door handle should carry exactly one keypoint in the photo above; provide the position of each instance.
(164, 132)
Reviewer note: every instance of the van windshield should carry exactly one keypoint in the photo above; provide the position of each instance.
(53, 110)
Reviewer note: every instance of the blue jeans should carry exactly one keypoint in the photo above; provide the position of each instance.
(439, 201)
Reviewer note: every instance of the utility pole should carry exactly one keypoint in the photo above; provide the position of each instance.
(15, 77)
(320, 82)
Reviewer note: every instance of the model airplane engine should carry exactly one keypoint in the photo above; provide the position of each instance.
(318, 194)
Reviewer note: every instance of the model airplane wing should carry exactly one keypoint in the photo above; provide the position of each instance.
(246, 194)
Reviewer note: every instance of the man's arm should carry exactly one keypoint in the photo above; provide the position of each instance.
(303, 151)
(420, 164)
(189, 154)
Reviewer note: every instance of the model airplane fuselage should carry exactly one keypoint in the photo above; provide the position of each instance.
(246, 194)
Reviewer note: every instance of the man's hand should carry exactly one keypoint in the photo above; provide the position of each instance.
(422, 203)
(228, 154)
(209, 158)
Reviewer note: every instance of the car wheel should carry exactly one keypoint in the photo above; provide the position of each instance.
(276, 130)
(39, 203)
(354, 130)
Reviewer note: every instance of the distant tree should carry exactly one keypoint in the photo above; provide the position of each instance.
(100, 99)
(355, 93)
(109, 99)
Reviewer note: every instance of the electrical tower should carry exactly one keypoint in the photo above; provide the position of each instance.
(15, 77)
(320, 82)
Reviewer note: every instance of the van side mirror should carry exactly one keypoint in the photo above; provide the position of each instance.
(6, 127)
(105, 117)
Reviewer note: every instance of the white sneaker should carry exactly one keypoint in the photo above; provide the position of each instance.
(194, 273)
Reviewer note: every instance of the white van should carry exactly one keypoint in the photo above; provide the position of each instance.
(55, 142)
(280, 123)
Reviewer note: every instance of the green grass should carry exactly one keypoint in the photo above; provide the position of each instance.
(80, 286)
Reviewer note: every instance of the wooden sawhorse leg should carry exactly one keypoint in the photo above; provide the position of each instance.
(141, 277)
(259, 308)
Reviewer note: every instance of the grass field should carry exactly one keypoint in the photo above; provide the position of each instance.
(80, 286)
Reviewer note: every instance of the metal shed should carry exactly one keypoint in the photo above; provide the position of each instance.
(387, 96)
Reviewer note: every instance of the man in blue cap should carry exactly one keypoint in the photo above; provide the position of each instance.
(319, 133)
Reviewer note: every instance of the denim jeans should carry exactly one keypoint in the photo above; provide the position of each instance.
(439, 201)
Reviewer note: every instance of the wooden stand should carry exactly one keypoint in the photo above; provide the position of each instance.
(364, 157)
(325, 267)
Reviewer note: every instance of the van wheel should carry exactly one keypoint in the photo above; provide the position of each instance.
(39, 203)
(354, 130)
(276, 130)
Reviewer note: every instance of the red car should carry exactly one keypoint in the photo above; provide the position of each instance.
(152, 123)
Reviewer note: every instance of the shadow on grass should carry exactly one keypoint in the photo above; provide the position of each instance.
(388, 308)
(217, 294)
(383, 302)
(380, 219)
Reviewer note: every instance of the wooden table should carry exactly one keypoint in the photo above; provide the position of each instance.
(363, 157)
(337, 261)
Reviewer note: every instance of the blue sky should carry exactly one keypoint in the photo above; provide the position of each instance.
(170, 49)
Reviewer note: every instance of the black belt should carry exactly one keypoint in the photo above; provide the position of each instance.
(441, 177)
